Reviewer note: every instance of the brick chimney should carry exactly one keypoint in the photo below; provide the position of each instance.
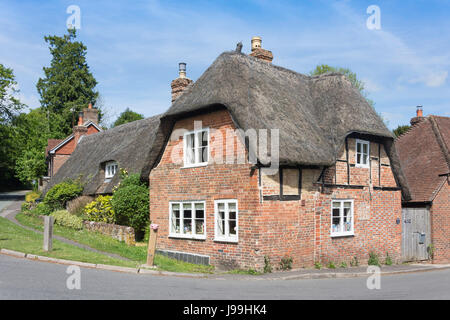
(90, 114)
(181, 83)
(259, 52)
(419, 116)
(79, 130)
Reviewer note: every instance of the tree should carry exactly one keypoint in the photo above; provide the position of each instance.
(68, 85)
(358, 84)
(9, 104)
(401, 130)
(127, 116)
(31, 132)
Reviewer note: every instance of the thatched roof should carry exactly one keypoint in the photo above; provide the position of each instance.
(313, 114)
(130, 145)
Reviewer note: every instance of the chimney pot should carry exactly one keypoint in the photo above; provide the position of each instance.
(419, 116)
(259, 52)
(80, 119)
(181, 83)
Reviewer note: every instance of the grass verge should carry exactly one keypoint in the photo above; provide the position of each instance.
(13, 237)
(96, 240)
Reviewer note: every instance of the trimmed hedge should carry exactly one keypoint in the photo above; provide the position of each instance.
(65, 219)
(58, 196)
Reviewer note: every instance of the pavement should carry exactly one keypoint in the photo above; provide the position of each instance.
(7, 198)
(25, 279)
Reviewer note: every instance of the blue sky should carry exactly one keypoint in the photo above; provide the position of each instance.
(134, 46)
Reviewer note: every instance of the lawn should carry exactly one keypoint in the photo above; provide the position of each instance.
(137, 254)
(13, 237)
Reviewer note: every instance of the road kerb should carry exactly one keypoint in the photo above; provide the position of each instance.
(13, 253)
(116, 268)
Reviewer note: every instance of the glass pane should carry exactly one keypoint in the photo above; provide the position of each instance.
(199, 211)
(336, 204)
(232, 227)
(187, 226)
(336, 220)
(365, 146)
(204, 139)
(199, 226)
(232, 215)
(221, 219)
(175, 227)
(190, 149)
(358, 158)
(232, 206)
(347, 220)
(358, 147)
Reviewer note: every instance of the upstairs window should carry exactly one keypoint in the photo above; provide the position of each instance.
(342, 218)
(362, 153)
(196, 148)
(110, 169)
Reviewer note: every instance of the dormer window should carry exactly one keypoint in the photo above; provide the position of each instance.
(196, 148)
(362, 153)
(110, 169)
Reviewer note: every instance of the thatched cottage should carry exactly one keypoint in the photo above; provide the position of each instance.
(97, 158)
(329, 189)
(424, 155)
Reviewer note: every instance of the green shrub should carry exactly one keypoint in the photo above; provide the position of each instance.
(100, 210)
(42, 209)
(286, 263)
(131, 204)
(267, 265)
(317, 265)
(343, 264)
(58, 196)
(65, 219)
(331, 265)
(373, 259)
(32, 196)
(26, 207)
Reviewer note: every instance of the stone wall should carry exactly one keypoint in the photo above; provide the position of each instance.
(121, 233)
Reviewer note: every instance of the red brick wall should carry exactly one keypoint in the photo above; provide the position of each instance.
(440, 225)
(299, 229)
(58, 161)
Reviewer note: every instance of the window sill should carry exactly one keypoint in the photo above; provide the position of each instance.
(231, 240)
(342, 235)
(195, 165)
(366, 166)
(188, 237)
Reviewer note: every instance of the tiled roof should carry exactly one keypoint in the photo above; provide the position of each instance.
(423, 153)
(51, 144)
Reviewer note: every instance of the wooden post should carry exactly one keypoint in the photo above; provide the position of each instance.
(152, 244)
(48, 233)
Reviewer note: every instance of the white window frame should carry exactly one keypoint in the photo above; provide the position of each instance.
(227, 237)
(182, 235)
(108, 166)
(197, 147)
(341, 215)
(362, 142)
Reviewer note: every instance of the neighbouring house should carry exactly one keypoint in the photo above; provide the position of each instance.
(330, 189)
(97, 158)
(424, 156)
(59, 150)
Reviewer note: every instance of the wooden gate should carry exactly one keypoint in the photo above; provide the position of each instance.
(416, 233)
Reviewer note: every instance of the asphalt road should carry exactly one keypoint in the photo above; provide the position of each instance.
(26, 279)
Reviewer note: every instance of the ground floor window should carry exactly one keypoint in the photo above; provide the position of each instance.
(226, 220)
(187, 219)
(342, 218)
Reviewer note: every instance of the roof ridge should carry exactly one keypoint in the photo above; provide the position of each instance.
(411, 128)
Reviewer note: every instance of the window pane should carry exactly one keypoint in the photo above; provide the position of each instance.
(347, 219)
(175, 227)
(187, 226)
(232, 227)
(199, 226)
(190, 149)
(358, 158)
(199, 218)
(221, 219)
(336, 220)
(358, 147)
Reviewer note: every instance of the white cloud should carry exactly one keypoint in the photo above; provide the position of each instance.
(435, 79)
